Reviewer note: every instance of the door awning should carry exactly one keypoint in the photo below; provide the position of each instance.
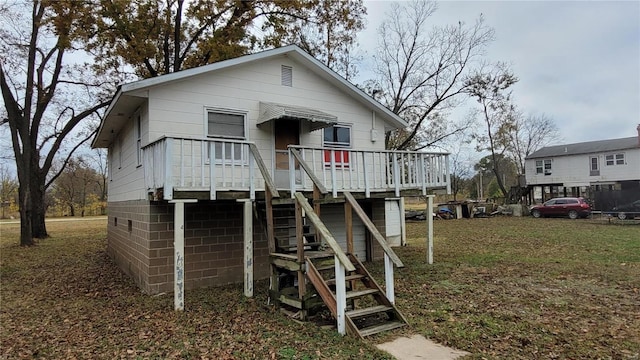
(317, 119)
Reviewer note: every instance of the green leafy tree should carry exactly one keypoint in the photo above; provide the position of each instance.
(159, 37)
(47, 97)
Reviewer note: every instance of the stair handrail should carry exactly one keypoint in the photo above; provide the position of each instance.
(307, 169)
(268, 181)
(372, 229)
(322, 229)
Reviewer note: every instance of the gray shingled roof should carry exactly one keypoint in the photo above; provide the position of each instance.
(588, 147)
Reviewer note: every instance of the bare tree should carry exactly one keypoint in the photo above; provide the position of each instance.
(8, 189)
(497, 113)
(43, 97)
(75, 185)
(528, 134)
(421, 72)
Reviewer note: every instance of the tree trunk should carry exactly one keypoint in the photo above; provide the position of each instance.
(38, 226)
(26, 235)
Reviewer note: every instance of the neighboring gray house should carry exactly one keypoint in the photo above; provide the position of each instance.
(254, 167)
(584, 169)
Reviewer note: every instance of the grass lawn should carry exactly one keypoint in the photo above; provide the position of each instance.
(502, 288)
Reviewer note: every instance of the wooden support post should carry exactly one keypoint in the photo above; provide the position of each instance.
(300, 252)
(271, 240)
(341, 296)
(348, 224)
(430, 229)
(178, 252)
(247, 221)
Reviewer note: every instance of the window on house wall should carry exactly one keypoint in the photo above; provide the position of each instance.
(226, 126)
(619, 159)
(539, 167)
(337, 136)
(286, 75)
(594, 167)
(138, 130)
(547, 166)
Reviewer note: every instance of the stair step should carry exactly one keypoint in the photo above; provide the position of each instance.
(361, 293)
(347, 278)
(380, 328)
(305, 245)
(368, 311)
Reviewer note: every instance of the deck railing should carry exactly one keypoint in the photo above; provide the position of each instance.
(211, 165)
(369, 171)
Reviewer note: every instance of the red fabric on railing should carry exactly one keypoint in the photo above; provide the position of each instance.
(341, 157)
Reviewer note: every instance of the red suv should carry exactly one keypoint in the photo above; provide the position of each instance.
(570, 206)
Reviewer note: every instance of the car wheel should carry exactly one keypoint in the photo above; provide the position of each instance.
(573, 214)
(536, 213)
(622, 216)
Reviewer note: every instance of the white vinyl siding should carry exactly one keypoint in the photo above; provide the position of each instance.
(138, 134)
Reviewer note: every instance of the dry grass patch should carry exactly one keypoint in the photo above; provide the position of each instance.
(523, 288)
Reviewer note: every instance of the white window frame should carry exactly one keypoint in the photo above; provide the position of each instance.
(620, 159)
(539, 167)
(336, 144)
(594, 171)
(243, 113)
(339, 146)
(550, 167)
(610, 160)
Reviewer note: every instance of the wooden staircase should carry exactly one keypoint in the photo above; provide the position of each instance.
(303, 252)
(368, 311)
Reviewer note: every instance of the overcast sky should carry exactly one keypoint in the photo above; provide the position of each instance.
(578, 62)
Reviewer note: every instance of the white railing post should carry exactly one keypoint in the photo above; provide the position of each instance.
(367, 187)
(341, 295)
(334, 179)
(168, 169)
(212, 171)
(430, 229)
(252, 173)
(447, 175)
(388, 278)
(396, 174)
(423, 179)
(292, 173)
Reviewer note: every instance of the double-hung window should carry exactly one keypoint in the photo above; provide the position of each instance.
(226, 126)
(543, 166)
(617, 159)
(339, 137)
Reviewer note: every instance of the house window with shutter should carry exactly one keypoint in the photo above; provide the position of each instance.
(286, 75)
(226, 125)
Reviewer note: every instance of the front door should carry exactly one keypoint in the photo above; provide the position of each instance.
(286, 132)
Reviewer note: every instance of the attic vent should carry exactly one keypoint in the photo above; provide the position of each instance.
(287, 75)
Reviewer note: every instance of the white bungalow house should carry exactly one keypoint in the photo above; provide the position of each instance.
(607, 171)
(268, 164)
